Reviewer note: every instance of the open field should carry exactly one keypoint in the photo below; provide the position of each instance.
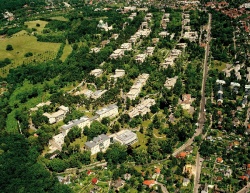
(66, 51)
(32, 24)
(23, 43)
(59, 18)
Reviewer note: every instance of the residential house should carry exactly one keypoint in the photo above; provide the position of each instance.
(170, 82)
(181, 45)
(228, 173)
(96, 72)
(185, 182)
(155, 40)
(124, 137)
(219, 160)
(109, 111)
(117, 184)
(98, 144)
(56, 143)
(104, 43)
(97, 94)
(94, 181)
(118, 74)
(104, 26)
(95, 50)
(127, 176)
(186, 101)
(140, 58)
(191, 36)
(150, 51)
(40, 105)
(142, 108)
(58, 115)
(117, 54)
(114, 36)
(126, 46)
(182, 155)
(188, 168)
(163, 34)
(149, 183)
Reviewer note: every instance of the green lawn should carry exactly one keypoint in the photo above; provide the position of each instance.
(59, 18)
(218, 65)
(23, 43)
(66, 51)
(32, 24)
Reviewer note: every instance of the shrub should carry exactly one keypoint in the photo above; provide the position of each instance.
(28, 54)
(9, 47)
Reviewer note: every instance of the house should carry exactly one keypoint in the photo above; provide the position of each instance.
(155, 40)
(169, 61)
(140, 58)
(142, 108)
(182, 155)
(163, 34)
(219, 160)
(125, 137)
(150, 51)
(117, 54)
(117, 184)
(157, 170)
(114, 36)
(133, 39)
(56, 143)
(98, 144)
(126, 46)
(149, 183)
(104, 43)
(95, 50)
(144, 25)
(104, 26)
(244, 178)
(58, 115)
(127, 176)
(188, 168)
(186, 101)
(191, 36)
(205, 189)
(40, 105)
(96, 72)
(185, 182)
(228, 173)
(181, 45)
(94, 181)
(109, 111)
(170, 82)
(118, 74)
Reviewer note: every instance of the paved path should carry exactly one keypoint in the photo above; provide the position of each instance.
(245, 189)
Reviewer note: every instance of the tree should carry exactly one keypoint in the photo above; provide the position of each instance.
(57, 165)
(116, 154)
(9, 47)
(96, 128)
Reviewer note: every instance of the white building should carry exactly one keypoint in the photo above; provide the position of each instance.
(96, 72)
(126, 46)
(170, 82)
(98, 144)
(118, 74)
(109, 111)
(192, 36)
(40, 105)
(137, 86)
(95, 50)
(97, 94)
(142, 108)
(125, 137)
(117, 53)
(140, 58)
(58, 115)
(150, 51)
(163, 34)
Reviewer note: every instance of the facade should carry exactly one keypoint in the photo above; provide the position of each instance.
(109, 111)
(98, 144)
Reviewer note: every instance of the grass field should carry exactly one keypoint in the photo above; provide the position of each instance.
(59, 18)
(23, 43)
(32, 24)
(66, 51)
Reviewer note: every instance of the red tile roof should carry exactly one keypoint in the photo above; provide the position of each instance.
(219, 159)
(182, 155)
(94, 181)
(149, 182)
(157, 170)
(244, 178)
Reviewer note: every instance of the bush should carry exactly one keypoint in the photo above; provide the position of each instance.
(28, 54)
(38, 25)
(9, 47)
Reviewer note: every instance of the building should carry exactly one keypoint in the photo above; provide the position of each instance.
(109, 111)
(117, 184)
(126, 46)
(181, 45)
(125, 137)
(140, 58)
(137, 86)
(186, 101)
(155, 40)
(40, 105)
(96, 72)
(149, 183)
(163, 34)
(104, 43)
(142, 108)
(117, 54)
(191, 36)
(104, 26)
(58, 115)
(98, 144)
(95, 50)
(150, 51)
(97, 94)
(81, 123)
(114, 36)
(170, 82)
(185, 182)
(56, 142)
(118, 74)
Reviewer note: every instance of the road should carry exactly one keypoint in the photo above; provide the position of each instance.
(245, 189)
(202, 114)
